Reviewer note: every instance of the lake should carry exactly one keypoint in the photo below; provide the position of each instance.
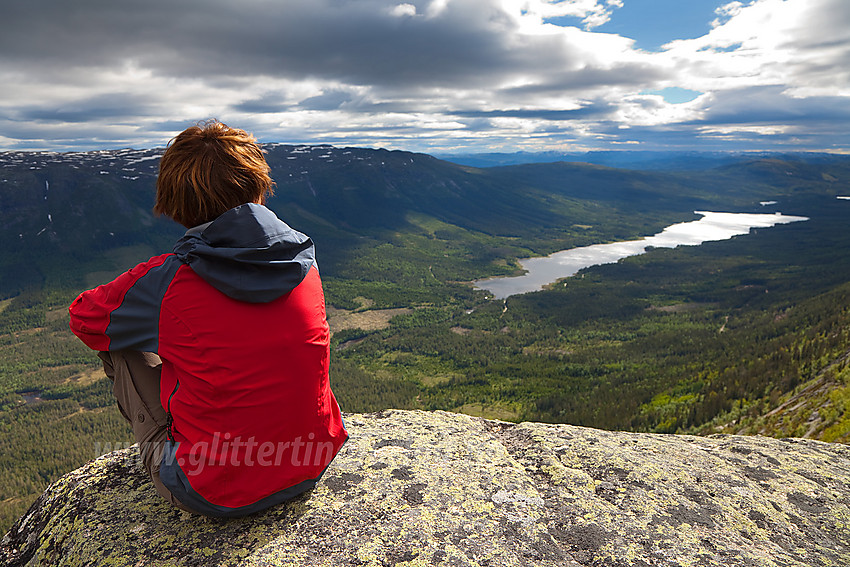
(712, 226)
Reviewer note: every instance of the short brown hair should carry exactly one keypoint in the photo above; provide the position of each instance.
(207, 170)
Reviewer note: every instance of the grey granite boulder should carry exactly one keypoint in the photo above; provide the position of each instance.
(435, 488)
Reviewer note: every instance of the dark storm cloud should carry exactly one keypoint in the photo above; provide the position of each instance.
(359, 42)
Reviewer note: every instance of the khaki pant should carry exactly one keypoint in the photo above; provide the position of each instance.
(135, 376)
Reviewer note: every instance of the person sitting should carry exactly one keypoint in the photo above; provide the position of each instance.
(219, 350)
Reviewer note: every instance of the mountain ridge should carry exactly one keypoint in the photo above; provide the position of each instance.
(72, 206)
(632, 159)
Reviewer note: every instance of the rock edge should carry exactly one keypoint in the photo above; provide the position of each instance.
(429, 488)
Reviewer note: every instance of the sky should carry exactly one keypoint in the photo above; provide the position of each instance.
(435, 76)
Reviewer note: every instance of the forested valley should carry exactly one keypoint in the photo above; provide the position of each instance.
(748, 335)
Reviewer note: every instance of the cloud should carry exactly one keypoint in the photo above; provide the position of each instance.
(419, 74)
(772, 105)
(725, 12)
(112, 106)
(329, 100)
(587, 110)
(401, 10)
(593, 13)
(803, 44)
(268, 103)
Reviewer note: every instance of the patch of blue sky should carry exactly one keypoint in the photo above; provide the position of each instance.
(733, 47)
(565, 21)
(653, 23)
(675, 95)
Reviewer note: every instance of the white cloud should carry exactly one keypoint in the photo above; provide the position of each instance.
(436, 7)
(401, 10)
(726, 11)
(801, 44)
(593, 13)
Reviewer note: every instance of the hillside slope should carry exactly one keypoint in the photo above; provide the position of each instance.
(58, 211)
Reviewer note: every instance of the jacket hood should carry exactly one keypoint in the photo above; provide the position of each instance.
(248, 254)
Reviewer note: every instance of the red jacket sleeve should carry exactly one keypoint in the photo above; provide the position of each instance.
(124, 313)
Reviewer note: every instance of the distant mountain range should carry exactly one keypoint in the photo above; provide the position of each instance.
(61, 210)
(642, 160)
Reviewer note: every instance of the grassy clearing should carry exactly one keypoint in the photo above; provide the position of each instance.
(372, 320)
(498, 411)
(86, 377)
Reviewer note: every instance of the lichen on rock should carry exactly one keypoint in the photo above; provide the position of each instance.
(433, 488)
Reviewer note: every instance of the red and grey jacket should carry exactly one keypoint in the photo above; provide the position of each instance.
(237, 315)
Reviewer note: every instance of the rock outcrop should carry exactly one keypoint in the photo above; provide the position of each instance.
(422, 488)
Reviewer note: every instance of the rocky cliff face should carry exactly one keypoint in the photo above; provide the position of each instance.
(421, 488)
